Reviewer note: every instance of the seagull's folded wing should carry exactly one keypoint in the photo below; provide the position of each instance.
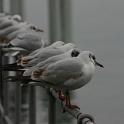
(63, 70)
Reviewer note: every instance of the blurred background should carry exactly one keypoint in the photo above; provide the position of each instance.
(95, 25)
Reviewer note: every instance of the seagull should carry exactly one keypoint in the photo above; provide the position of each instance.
(3, 18)
(41, 54)
(2, 14)
(6, 31)
(22, 41)
(26, 28)
(10, 21)
(17, 65)
(28, 40)
(44, 64)
(54, 45)
(45, 54)
(69, 74)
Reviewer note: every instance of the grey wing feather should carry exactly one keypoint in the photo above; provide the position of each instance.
(64, 67)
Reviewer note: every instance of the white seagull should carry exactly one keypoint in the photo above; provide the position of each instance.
(44, 64)
(17, 65)
(69, 74)
(27, 42)
(54, 45)
(3, 18)
(2, 15)
(45, 54)
(10, 21)
(6, 31)
(26, 28)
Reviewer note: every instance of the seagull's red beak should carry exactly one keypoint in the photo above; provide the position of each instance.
(98, 64)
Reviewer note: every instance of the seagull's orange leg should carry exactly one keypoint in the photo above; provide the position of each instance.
(68, 103)
(61, 96)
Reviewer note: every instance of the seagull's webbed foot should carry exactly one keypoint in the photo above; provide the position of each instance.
(72, 106)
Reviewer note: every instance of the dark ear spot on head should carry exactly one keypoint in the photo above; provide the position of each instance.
(89, 55)
(92, 56)
(32, 27)
(75, 53)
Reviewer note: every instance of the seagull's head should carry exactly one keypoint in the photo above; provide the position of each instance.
(90, 57)
(17, 18)
(68, 47)
(35, 28)
(57, 44)
(75, 52)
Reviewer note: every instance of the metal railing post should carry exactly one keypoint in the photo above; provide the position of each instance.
(13, 6)
(60, 26)
(32, 105)
(52, 108)
(60, 20)
(16, 8)
(1, 5)
(1, 81)
(18, 103)
(6, 97)
(21, 8)
(54, 20)
(5, 88)
(66, 20)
